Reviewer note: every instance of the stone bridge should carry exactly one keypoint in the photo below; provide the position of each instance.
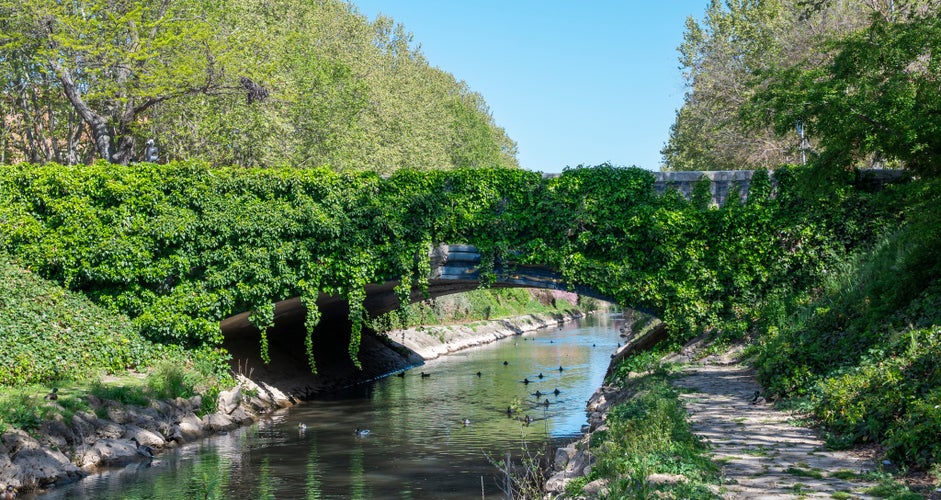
(454, 269)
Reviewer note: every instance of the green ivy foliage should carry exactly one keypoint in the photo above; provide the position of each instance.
(48, 334)
(179, 247)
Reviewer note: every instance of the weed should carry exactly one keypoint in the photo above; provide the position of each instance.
(796, 471)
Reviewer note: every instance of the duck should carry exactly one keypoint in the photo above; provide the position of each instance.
(400, 374)
(546, 402)
(9, 493)
(425, 375)
(465, 422)
(540, 375)
(506, 363)
(302, 427)
(537, 394)
(528, 419)
(143, 450)
(556, 391)
(561, 369)
(479, 374)
(361, 432)
(526, 381)
(52, 396)
(509, 411)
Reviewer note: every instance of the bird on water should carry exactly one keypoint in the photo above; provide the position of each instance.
(361, 432)
(9, 493)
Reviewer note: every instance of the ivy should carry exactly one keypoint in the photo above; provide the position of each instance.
(179, 247)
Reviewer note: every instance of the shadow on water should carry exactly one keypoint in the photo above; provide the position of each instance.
(429, 437)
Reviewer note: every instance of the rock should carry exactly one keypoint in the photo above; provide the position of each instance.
(112, 452)
(659, 479)
(16, 440)
(216, 422)
(196, 402)
(562, 457)
(598, 487)
(557, 483)
(82, 428)
(144, 437)
(109, 430)
(117, 413)
(190, 427)
(183, 405)
(56, 434)
(43, 467)
(229, 400)
(241, 417)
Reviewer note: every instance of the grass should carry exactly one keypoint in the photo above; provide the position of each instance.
(56, 338)
(800, 472)
(649, 434)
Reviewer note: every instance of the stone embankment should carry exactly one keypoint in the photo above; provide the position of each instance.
(430, 342)
(65, 450)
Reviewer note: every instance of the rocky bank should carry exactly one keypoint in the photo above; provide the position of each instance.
(65, 450)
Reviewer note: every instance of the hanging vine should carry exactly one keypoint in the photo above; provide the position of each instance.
(309, 295)
(262, 317)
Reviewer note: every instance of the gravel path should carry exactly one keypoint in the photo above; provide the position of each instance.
(763, 453)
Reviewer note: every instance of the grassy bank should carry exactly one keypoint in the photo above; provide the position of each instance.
(54, 338)
(860, 351)
(648, 435)
(483, 305)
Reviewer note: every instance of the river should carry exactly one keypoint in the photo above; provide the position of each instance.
(418, 445)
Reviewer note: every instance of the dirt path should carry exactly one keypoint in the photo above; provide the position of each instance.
(762, 452)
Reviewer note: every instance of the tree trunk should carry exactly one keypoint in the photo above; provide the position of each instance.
(104, 140)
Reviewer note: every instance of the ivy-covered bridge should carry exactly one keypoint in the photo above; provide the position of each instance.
(183, 248)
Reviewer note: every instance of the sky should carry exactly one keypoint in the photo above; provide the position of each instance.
(571, 82)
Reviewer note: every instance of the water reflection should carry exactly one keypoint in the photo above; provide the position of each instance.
(418, 445)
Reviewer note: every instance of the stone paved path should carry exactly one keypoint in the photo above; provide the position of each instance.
(764, 455)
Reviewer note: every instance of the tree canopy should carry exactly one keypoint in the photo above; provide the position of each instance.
(776, 81)
(286, 82)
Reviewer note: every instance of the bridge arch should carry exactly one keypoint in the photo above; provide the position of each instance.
(454, 269)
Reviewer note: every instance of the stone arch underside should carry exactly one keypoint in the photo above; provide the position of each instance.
(454, 269)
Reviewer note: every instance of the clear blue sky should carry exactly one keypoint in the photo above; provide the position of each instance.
(571, 82)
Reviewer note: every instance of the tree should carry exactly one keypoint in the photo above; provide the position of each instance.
(879, 96)
(738, 39)
(281, 82)
(114, 61)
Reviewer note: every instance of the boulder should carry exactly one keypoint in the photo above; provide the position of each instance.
(217, 422)
(43, 467)
(229, 400)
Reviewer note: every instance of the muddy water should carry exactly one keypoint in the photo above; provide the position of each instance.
(418, 445)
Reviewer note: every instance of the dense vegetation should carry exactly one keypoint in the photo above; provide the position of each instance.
(179, 247)
(54, 337)
(287, 82)
(786, 81)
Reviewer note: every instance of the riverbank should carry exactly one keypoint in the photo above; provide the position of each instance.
(743, 445)
(76, 443)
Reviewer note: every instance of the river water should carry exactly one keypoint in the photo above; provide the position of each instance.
(417, 446)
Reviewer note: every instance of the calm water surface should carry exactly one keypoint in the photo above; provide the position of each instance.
(417, 447)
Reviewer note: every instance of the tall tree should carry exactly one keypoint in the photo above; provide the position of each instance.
(878, 97)
(115, 60)
(737, 39)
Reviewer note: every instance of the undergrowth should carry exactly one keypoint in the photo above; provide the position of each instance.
(861, 351)
(649, 434)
